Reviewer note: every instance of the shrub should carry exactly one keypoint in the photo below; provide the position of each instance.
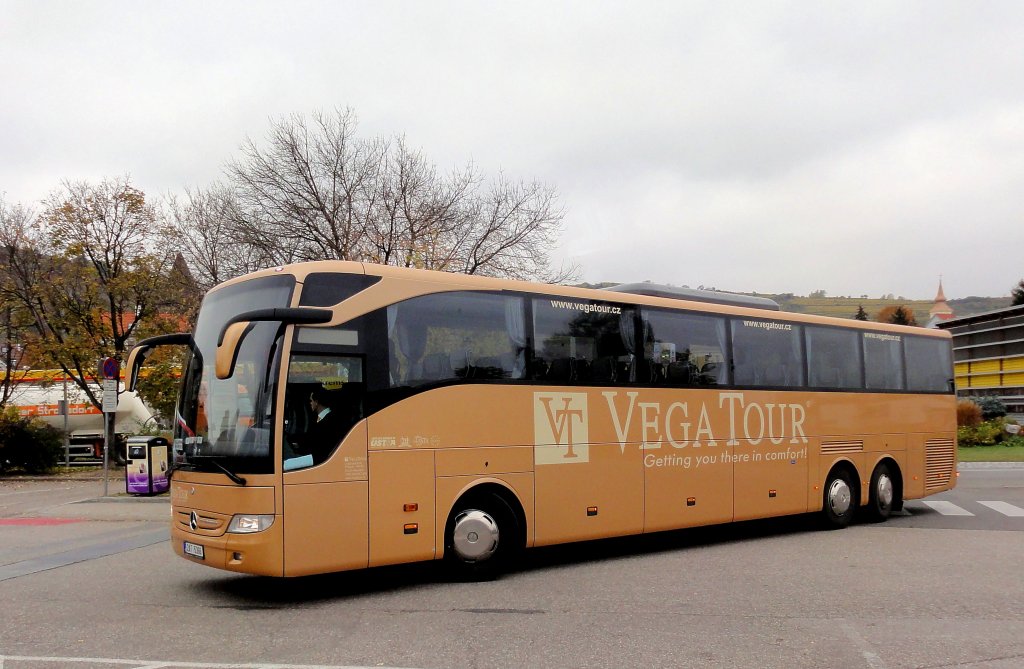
(984, 434)
(1014, 441)
(991, 407)
(28, 444)
(967, 413)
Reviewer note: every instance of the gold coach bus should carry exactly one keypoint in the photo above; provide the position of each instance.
(339, 415)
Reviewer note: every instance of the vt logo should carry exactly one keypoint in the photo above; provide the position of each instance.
(560, 428)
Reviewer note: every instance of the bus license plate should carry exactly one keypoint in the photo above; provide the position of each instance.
(195, 550)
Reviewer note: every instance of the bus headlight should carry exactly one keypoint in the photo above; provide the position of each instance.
(247, 524)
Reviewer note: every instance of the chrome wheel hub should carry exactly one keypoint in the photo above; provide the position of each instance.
(475, 537)
(839, 497)
(883, 491)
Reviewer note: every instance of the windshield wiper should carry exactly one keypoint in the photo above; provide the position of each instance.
(212, 459)
(227, 472)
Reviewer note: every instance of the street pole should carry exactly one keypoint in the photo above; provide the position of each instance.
(110, 371)
(108, 437)
(67, 437)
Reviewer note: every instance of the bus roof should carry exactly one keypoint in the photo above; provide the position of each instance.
(439, 281)
(695, 295)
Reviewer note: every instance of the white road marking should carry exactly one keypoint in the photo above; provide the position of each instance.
(871, 658)
(949, 509)
(1005, 509)
(163, 664)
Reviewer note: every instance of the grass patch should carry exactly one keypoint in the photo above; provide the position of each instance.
(995, 453)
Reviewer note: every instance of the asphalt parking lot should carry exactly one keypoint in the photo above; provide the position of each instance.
(925, 589)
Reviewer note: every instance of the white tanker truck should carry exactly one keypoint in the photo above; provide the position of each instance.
(85, 422)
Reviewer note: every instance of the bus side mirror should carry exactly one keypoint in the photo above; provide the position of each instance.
(227, 348)
(235, 330)
(135, 361)
(138, 355)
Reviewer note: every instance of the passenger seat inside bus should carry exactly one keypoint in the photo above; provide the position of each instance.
(437, 366)
(560, 370)
(679, 372)
(603, 370)
(488, 367)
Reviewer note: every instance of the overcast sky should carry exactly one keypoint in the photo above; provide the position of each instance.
(857, 148)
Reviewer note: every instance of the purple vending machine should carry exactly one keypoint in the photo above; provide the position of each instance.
(146, 468)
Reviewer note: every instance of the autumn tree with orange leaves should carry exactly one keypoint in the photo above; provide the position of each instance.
(90, 276)
(897, 315)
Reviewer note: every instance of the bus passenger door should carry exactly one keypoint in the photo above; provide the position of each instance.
(326, 511)
(401, 506)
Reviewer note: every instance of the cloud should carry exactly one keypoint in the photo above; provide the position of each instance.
(769, 146)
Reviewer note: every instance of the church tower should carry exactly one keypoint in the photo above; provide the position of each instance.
(940, 311)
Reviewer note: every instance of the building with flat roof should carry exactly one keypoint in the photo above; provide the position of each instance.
(988, 355)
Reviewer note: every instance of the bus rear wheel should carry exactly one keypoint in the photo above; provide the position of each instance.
(839, 501)
(481, 537)
(883, 494)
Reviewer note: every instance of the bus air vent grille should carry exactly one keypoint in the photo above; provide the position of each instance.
(850, 446)
(940, 458)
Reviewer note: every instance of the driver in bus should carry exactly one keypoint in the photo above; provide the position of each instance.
(313, 446)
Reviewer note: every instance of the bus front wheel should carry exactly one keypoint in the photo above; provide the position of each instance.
(481, 537)
(839, 501)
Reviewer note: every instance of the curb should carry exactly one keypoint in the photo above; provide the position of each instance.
(149, 499)
(977, 466)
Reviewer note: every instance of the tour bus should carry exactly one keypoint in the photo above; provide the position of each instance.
(339, 415)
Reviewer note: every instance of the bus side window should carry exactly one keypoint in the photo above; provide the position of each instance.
(929, 364)
(324, 398)
(682, 349)
(459, 336)
(767, 353)
(583, 342)
(833, 358)
(883, 361)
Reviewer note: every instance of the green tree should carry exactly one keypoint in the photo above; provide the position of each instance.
(1017, 294)
(15, 335)
(159, 383)
(861, 315)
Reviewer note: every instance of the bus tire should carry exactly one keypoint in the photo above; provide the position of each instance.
(882, 494)
(839, 500)
(481, 537)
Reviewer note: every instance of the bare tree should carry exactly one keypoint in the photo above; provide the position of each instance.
(204, 227)
(317, 191)
(511, 232)
(415, 215)
(303, 195)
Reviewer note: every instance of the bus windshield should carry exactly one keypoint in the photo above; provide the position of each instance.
(228, 423)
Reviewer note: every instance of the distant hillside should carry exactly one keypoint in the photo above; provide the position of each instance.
(846, 307)
(969, 306)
